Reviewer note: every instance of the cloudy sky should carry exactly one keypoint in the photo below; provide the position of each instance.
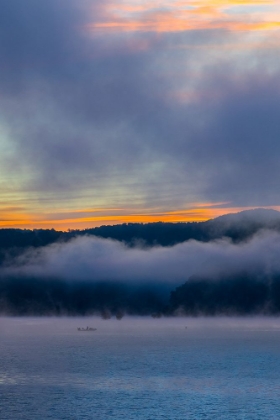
(115, 111)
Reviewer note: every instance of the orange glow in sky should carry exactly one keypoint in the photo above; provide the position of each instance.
(87, 218)
(167, 16)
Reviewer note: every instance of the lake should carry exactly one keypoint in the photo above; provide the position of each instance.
(140, 368)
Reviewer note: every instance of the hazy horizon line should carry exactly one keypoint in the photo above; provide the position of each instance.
(91, 218)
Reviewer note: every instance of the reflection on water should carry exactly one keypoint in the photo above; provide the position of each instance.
(139, 369)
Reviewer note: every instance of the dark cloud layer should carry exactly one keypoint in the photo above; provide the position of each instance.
(85, 110)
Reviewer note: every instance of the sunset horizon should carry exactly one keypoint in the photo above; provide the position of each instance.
(88, 218)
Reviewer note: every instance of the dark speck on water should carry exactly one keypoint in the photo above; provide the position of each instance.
(140, 369)
(86, 329)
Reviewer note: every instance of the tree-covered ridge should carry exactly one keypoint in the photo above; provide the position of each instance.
(241, 294)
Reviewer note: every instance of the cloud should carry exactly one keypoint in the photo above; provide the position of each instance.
(96, 259)
(237, 145)
(153, 120)
(181, 16)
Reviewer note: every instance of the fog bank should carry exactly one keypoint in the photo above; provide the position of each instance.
(96, 259)
(91, 275)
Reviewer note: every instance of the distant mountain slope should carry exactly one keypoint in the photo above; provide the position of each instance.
(243, 225)
(165, 234)
(238, 227)
(259, 215)
(15, 241)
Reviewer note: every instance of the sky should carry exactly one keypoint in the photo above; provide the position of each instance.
(137, 111)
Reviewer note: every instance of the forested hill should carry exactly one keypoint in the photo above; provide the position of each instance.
(237, 227)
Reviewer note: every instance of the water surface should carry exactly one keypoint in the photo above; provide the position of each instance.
(139, 369)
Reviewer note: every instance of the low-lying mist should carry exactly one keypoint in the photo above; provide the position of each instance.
(92, 275)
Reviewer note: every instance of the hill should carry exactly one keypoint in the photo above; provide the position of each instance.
(238, 227)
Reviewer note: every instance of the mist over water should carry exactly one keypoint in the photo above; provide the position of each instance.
(98, 259)
(90, 275)
(140, 368)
